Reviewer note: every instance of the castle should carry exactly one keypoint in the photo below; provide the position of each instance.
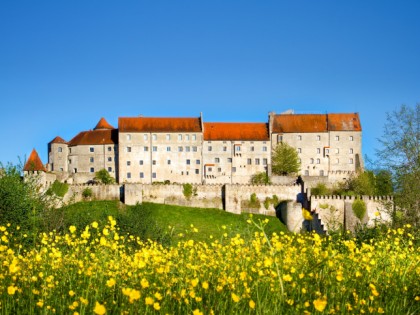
(190, 150)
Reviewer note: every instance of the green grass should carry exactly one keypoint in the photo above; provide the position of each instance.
(174, 220)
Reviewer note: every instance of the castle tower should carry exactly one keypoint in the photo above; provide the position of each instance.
(34, 164)
(58, 155)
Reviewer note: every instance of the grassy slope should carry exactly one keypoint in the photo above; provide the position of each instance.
(209, 222)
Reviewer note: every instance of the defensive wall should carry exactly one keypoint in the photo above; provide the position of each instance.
(333, 211)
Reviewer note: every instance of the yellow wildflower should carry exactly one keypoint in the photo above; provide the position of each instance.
(235, 298)
(99, 309)
(320, 304)
(72, 229)
(251, 304)
(11, 290)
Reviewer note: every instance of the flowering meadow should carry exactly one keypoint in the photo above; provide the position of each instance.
(98, 271)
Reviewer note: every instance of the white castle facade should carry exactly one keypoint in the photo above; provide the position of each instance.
(188, 150)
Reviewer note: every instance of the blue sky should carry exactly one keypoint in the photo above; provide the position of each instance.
(66, 64)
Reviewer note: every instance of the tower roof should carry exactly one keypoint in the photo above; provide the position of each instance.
(58, 140)
(95, 137)
(34, 163)
(103, 124)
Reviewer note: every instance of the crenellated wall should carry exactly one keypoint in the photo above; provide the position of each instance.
(336, 211)
(99, 192)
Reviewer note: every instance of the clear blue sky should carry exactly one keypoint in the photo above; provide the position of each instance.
(65, 64)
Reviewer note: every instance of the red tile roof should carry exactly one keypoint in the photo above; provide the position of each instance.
(95, 137)
(344, 122)
(103, 124)
(236, 131)
(34, 163)
(161, 124)
(58, 140)
(291, 123)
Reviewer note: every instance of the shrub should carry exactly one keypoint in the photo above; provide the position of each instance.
(57, 188)
(359, 208)
(103, 177)
(320, 190)
(254, 202)
(187, 190)
(267, 203)
(87, 193)
(260, 178)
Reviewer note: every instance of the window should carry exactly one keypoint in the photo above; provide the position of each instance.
(299, 137)
(257, 161)
(237, 148)
(216, 160)
(69, 150)
(351, 138)
(197, 171)
(129, 175)
(187, 137)
(188, 162)
(128, 149)
(109, 149)
(337, 161)
(194, 137)
(233, 169)
(224, 149)
(75, 170)
(128, 163)
(153, 175)
(60, 149)
(145, 137)
(61, 169)
(321, 173)
(299, 150)
(92, 170)
(318, 138)
(350, 161)
(265, 161)
(109, 159)
(306, 173)
(141, 175)
(252, 149)
(109, 169)
(337, 151)
(210, 169)
(168, 137)
(229, 160)
(180, 149)
(219, 169)
(197, 162)
(337, 138)
(264, 149)
(318, 150)
(169, 162)
(92, 160)
(154, 162)
(128, 137)
(249, 161)
(180, 137)
(141, 162)
(92, 149)
(279, 138)
(351, 151)
(318, 161)
(154, 148)
(154, 137)
(187, 149)
(312, 161)
(69, 161)
(194, 149)
(209, 148)
(168, 149)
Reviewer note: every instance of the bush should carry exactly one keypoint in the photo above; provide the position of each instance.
(320, 190)
(57, 188)
(103, 177)
(87, 193)
(189, 191)
(359, 208)
(254, 202)
(260, 179)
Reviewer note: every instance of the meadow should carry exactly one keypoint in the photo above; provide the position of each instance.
(213, 264)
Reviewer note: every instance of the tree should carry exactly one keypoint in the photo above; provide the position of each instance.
(400, 155)
(104, 177)
(285, 160)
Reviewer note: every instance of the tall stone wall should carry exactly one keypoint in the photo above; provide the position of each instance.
(99, 192)
(204, 196)
(236, 196)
